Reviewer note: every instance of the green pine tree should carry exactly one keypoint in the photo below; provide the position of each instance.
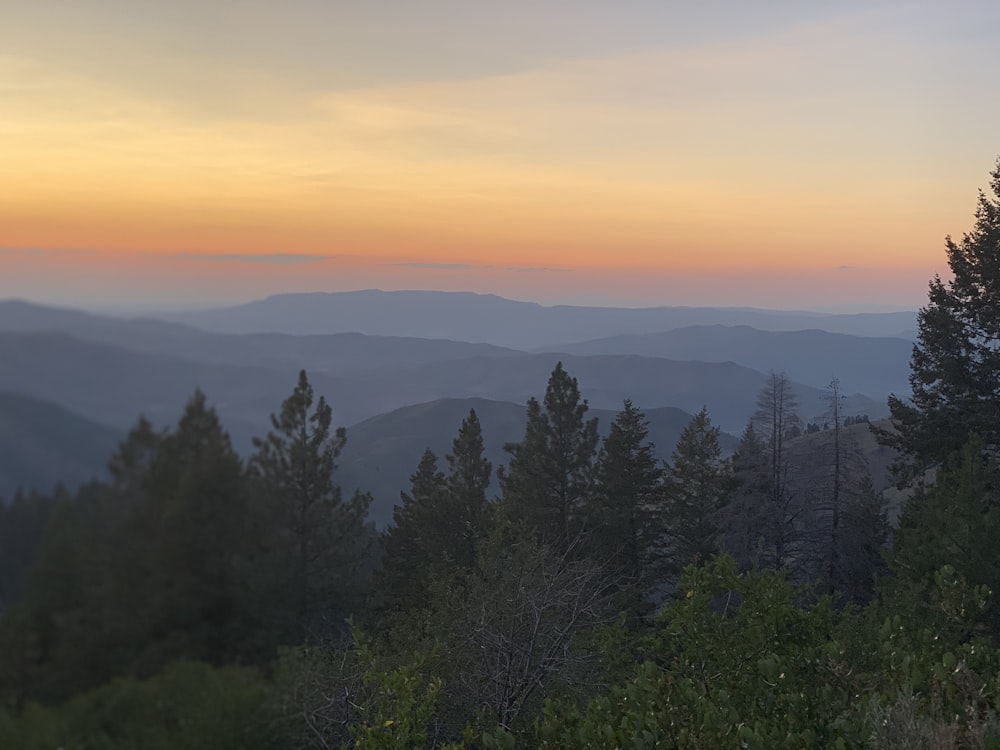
(954, 523)
(468, 477)
(861, 543)
(318, 544)
(196, 527)
(621, 517)
(438, 524)
(955, 367)
(409, 544)
(551, 470)
(745, 520)
(696, 488)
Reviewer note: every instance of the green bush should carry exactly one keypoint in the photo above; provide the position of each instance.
(189, 705)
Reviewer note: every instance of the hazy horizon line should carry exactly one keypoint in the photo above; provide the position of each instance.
(159, 308)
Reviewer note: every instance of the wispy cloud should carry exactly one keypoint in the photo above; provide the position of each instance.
(44, 252)
(537, 269)
(478, 267)
(30, 251)
(440, 266)
(282, 259)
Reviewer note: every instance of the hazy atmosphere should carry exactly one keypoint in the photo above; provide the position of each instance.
(778, 154)
(499, 376)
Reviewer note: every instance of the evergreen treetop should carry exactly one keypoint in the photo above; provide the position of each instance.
(955, 366)
(551, 470)
(621, 515)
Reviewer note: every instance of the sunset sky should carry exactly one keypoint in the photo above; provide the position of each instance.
(779, 154)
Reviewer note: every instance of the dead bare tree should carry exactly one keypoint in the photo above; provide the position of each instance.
(320, 695)
(776, 421)
(834, 397)
(520, 624)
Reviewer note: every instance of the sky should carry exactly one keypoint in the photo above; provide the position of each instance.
(783, 154)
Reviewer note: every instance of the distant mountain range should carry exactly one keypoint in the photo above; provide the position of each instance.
(728, 390)
(342, 354)
(113, 385)
(863, 364)
(107, 370)
(42, 443)
(520, 325)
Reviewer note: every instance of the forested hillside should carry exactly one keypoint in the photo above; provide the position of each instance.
(42, 444)
(382, 451)
(143, 590)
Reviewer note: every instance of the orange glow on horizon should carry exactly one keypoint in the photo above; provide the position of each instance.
(799, 149)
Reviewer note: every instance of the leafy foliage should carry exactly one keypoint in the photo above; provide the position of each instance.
(955, 523)
(737, 662)
(189, 705)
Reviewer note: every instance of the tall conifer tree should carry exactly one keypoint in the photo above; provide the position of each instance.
(955, 366)
(622, 515)
(696, 487)
(468, 478)
(408, 545)
(551, 470)
(320, 541)
(745, 519)
(955, 523)
(439, 522)
(199, 507)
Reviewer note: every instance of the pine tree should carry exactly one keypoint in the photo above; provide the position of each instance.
(438, 524)
(55, 620)
(129, 466)
(521, 481)
(22, 523)
(320, 541)
(551, 470)
(123, 526)
(468, 478)
(408, 545)
(89, 596)
(621, 513)
(135, 573)
(696, 487)
(836, 489)
(861, 543)
(954, 523)
(196, 525)
(955, 366)
(745, 519)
